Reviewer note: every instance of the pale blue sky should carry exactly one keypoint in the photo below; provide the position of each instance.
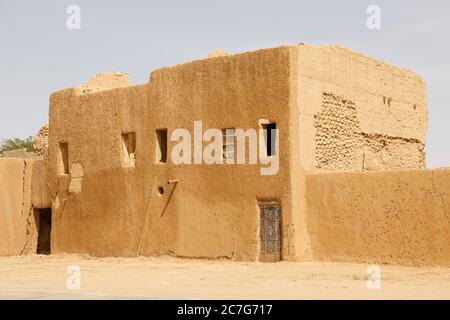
(39, 55)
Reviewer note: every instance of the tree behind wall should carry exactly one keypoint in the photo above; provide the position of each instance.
(16, 143)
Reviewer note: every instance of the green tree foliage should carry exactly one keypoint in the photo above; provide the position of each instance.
(16, 143)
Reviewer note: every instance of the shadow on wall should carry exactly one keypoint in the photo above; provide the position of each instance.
(43, 218)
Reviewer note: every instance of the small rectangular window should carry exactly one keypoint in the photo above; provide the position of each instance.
(63, 158)
(270, 134)
(161, 146)
(228, 144)
(129, 149)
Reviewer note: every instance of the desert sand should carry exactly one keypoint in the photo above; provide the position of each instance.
(44, 277)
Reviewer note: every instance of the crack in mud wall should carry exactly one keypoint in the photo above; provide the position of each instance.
(17, 224)
(26, 207)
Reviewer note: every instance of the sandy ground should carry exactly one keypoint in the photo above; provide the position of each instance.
(45, 277)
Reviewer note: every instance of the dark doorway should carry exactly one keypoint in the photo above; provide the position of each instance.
(44, 226)
(270, 232)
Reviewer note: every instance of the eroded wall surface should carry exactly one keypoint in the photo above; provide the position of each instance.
(380, 217)
(350, 113)
(357, 113)
(18, 233)
(105, 209)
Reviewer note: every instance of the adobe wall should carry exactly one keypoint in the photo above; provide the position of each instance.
(380, 217)
(104, 209)
(17, 224)
(357, 113)
(350, 113)
(94, 209)
(336, 111)
(40, 198)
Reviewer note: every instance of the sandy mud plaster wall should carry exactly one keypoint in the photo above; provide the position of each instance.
(212, 210)
(97, 207)
(358, 114)
(349, 113)
(40, 198)
(380, 217)
(17, 224)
